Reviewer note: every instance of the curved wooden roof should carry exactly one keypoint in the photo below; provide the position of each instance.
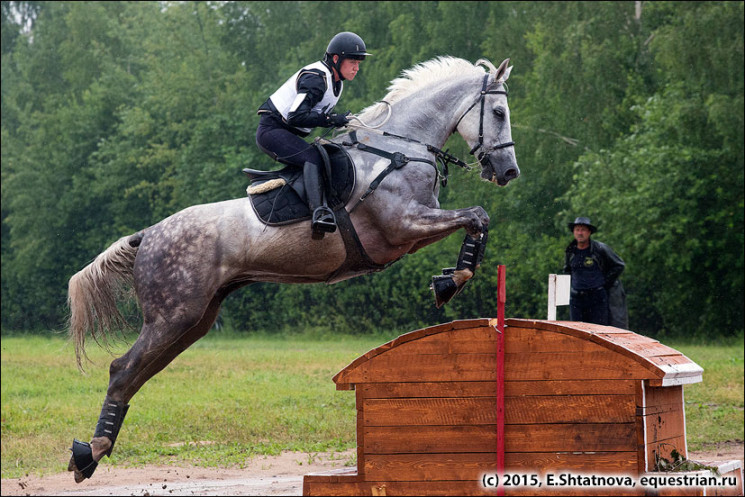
(664, 366)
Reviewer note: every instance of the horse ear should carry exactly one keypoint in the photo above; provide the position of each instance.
(503, 72)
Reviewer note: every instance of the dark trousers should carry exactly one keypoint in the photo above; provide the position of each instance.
(283, 145)
(590, 306)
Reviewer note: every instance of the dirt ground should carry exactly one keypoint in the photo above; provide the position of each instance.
(280, 475)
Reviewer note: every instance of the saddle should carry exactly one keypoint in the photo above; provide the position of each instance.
(279, 197)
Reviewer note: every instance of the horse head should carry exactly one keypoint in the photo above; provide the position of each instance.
(486, 126)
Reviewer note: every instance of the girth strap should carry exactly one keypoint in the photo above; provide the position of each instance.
(357, 261)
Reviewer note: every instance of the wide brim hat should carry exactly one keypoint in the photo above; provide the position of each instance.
(582, 220)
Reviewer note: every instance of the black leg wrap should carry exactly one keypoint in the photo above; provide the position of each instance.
(82, 456)
(470, 257)
(471, 252)
(110, 421)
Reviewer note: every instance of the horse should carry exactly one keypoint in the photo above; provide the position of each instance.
(182, 267)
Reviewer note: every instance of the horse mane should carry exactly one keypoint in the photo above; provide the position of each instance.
(423, 75)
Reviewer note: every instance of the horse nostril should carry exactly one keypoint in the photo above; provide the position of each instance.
(512, 174)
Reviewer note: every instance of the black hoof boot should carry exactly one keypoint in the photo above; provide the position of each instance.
(324, 221)
(82, 462)
(444, 288)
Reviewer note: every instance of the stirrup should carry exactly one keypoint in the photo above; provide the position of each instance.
(324, 220)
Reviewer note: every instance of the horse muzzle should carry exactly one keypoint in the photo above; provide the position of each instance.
(499, 172)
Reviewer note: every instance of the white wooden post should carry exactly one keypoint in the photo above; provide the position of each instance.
(558, 293)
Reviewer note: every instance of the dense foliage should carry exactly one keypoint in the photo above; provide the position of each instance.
(118, 114)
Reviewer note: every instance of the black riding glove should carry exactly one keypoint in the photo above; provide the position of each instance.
(338, 120)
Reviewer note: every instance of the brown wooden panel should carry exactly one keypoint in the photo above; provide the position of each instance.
(466, 341)
(449, 488)
(391, 367)
(570, 438)
(658, 396)
(592, 462)
(569, 387)
(482, 410)
(442, 411)
(568, 366)
(387, 368)
(663, 426)
(570, 409)
(430, 439)
(429, 467)
(523, 340)
(429, 389)
(489, 388)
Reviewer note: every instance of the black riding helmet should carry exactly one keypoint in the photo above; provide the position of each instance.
(346, 45)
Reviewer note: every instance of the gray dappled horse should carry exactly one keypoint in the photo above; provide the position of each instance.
(184, 266)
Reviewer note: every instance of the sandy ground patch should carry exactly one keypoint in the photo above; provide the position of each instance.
(264, 475)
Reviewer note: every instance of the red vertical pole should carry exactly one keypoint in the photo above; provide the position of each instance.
(501, 299)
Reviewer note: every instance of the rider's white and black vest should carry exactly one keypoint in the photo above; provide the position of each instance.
(287, 98)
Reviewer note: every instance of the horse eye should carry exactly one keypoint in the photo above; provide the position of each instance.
(499, 112)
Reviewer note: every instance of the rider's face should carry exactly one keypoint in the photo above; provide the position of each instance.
(349, 68)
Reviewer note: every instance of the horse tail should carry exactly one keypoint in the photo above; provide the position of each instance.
(93, 293)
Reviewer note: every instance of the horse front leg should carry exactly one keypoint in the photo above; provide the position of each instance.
(438, 224)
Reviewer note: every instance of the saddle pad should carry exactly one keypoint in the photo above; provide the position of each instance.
(288, 204)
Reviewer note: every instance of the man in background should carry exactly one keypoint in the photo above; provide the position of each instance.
(597, 295)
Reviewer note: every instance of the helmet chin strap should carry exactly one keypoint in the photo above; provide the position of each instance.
(337, 67)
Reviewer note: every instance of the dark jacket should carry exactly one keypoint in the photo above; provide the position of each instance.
(611, 266)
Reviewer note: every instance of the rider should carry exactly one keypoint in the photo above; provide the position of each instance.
(303, 102)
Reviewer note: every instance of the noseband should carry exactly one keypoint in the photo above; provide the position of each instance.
(482, 98)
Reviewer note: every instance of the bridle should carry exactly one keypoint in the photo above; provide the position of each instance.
(398, 160)
(482, 98)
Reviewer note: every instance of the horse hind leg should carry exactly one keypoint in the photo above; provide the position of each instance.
(153, 350)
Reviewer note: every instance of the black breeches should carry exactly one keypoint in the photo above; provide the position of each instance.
(284, 146)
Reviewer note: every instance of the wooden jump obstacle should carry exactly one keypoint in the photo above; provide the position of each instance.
(578, 398)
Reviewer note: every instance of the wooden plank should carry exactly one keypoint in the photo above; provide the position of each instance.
(571, 409)
(570, 387)
(482, 410)
(360, 404)
(430, 439)
(449, 488)
(569, 366)
(391, 367)
(592, 462)
(571, 438)
(663, 426)
(465, 341)
(522, 340)
(658, 396)
(488, 388)
(436, 411)
(429, 389)
(429, 467)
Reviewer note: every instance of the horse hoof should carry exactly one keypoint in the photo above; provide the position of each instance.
(444, 288)
(82, 462)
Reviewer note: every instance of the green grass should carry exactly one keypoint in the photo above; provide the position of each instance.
(714, 407)
(249, 396)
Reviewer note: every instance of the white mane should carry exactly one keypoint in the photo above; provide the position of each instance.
(423, 75)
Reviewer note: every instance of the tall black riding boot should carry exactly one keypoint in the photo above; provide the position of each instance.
(323, 220)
